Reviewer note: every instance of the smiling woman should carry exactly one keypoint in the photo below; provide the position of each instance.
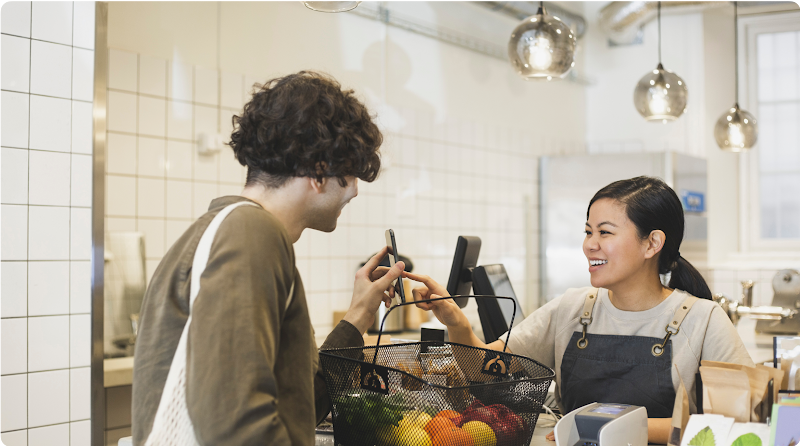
(628, 338)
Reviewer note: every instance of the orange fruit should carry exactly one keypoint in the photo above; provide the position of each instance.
(438, 424)
(452, 415)
(452, 436)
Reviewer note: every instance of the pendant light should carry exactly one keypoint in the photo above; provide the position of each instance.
(542, 47)
(331, 6)
(736, 130)
(660, 95)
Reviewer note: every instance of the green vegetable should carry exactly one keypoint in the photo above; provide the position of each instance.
(747, 440)
(367, 411)
(703, 438)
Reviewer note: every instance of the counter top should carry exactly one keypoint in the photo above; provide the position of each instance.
(118, 372)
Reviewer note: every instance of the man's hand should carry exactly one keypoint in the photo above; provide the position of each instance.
(373, 285)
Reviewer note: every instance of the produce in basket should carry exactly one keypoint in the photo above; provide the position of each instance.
(368, 411)
(482, 434)
(509, 428)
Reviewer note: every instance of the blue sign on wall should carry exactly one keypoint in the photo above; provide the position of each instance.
(693, 201)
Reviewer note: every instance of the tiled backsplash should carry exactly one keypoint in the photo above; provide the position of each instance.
(441, 178)
(47, 87)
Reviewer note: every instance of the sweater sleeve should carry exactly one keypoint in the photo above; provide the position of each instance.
(343, 335)
(232, 393)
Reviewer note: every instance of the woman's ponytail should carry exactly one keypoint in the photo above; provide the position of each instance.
(685, 277)
(652, 205)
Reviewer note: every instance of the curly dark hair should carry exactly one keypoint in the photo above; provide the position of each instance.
(305, 125)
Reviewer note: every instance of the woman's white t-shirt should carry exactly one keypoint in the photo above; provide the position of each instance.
(705, 334)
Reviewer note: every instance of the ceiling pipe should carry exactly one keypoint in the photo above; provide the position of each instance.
(523, 10)
(623, 21)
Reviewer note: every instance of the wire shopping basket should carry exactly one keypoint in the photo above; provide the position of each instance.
(433, 393)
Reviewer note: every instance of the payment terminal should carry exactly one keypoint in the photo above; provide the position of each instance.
(603, 424)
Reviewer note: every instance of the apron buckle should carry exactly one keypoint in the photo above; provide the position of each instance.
(657, 349)
(583, 342)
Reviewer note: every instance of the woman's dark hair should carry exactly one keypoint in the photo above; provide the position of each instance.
(652, 205)
(305, 125)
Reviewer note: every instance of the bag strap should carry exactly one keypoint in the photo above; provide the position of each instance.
(203, 252)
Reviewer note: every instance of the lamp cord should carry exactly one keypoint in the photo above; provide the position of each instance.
(659, 33)
(736, 51)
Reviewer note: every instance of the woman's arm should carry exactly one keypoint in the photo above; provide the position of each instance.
(447, 312)
(658, 430)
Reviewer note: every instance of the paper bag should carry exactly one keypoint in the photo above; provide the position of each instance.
(680, 415)
(726, 392)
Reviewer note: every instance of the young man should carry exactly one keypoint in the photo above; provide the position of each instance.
(252, 369)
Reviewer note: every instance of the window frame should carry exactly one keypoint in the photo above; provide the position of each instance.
(751, 243)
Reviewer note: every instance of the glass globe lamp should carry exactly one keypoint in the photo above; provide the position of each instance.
(542, 47)
(660, 95)
(736, 130)
(331, 6)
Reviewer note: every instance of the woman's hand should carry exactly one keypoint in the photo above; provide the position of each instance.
(447, 311)
(370, 289)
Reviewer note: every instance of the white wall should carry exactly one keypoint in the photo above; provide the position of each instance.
(462, 130)
(47, 70)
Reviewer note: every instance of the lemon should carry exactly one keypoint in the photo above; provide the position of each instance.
(412, 436)
(481, 433)
(415, 418)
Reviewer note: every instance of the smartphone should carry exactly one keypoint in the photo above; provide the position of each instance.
(393, 257)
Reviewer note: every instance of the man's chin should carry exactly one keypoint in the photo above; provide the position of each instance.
(325, 227)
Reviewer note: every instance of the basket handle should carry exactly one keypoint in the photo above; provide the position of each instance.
(508, 334)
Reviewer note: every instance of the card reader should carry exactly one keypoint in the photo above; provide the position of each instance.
(603, 424)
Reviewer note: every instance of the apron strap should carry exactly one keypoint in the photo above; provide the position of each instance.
(586, 315)
(675, 326)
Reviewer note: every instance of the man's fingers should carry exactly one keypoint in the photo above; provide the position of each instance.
(375, 261)
(394, 272)
(378, 273)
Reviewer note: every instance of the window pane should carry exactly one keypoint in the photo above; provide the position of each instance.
(779, 134)
(780, 205)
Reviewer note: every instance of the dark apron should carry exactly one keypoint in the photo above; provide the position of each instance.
(618, 369)
(633, 370)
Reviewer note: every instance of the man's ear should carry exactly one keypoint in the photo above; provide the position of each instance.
(319, 182)
(655, 243)
(318, 185)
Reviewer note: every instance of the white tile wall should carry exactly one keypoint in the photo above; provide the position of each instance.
(16, 54)
(14, 289)
(51, 69)
(48, 398)
(46, 199)
(14, 173)
(50, 124)
(16, 109)
(16, 18)
(14, 402)
(57, 435)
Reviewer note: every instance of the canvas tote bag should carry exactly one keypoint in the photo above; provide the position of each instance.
(172, 425)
